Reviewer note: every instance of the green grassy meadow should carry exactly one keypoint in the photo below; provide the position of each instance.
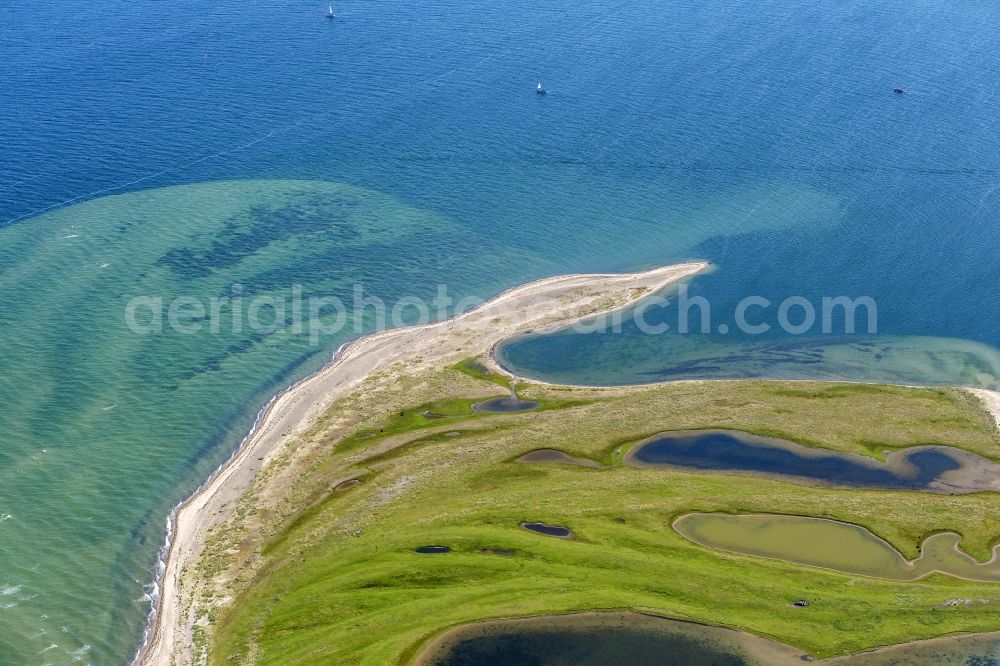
(320, 576)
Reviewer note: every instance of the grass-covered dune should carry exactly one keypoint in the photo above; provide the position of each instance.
(305, 573)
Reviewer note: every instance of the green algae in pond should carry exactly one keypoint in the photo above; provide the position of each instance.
(830, 544)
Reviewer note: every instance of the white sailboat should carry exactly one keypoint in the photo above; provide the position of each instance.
(539, 90)
(329, 10)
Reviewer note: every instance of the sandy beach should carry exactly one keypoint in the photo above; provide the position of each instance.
(991, 400)
(547, 303)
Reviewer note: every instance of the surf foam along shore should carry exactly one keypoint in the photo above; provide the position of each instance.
(555, 301)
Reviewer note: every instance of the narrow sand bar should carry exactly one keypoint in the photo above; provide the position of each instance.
(547, 303)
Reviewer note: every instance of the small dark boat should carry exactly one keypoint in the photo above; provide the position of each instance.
(898, 90)
(539, 90)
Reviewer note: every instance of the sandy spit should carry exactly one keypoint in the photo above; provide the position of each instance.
(537, 305)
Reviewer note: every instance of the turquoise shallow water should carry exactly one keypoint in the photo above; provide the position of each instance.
(180, 147)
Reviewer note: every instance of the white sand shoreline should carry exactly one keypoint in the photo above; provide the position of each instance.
(545, 303)
(991, 401)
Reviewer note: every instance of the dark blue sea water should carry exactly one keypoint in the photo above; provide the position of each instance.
(177, 147)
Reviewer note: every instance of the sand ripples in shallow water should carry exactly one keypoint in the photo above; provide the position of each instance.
(106, 429)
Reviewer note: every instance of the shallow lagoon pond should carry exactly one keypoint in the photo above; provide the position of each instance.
(505, 405)
(922, 468)
(831, 544)
(613, 639)
(574, 648)
(589, 639)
